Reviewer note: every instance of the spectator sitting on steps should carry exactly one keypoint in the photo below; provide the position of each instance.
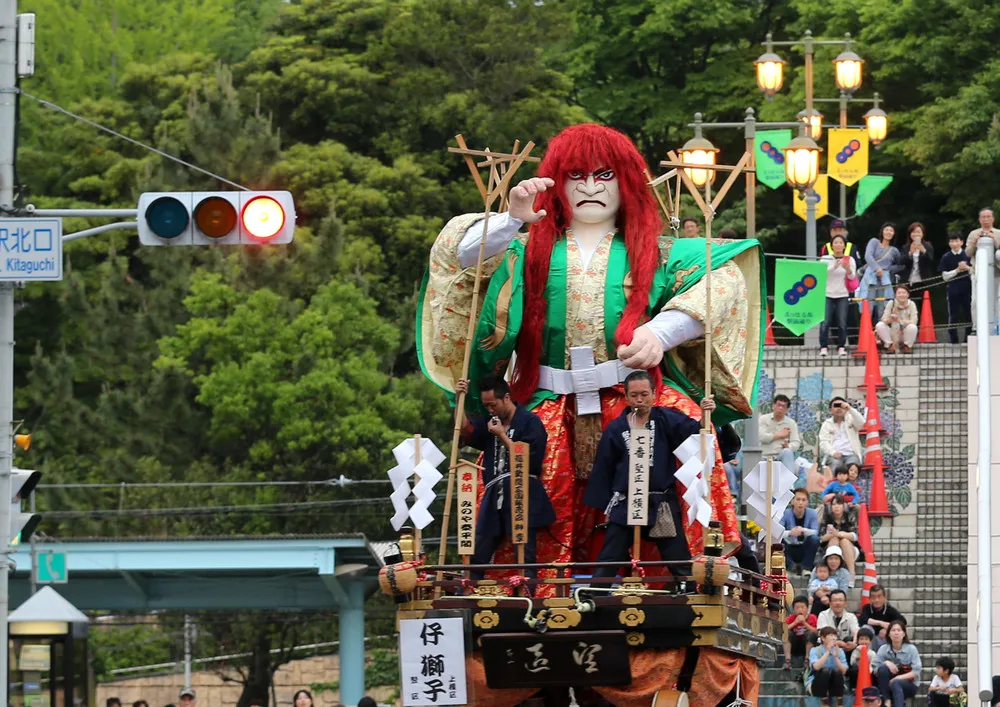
(801, 631)
(779, 434)
(865, 636)
(833, 558)
(838, 437)
(802, 539)
(898, 326)
(838, 527)
(840, 619)
(827, 665)
(945, 683)
(841, 486)
(898, 668)
(878, 614)
(820, 587)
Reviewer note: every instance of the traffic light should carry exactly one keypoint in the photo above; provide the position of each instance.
(22, 525)
(216, 218)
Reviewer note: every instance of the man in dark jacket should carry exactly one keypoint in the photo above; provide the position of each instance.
(607, 489)
(878, 613)
(495, 434)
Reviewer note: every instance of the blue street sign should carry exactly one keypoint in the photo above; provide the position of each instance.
(31, 249)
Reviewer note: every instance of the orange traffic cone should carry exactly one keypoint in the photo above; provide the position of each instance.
(877, 501)
(769, 332)
(865, 541)
(873, 370)
(927, 334)
(866, 336)
(873, 418)
(873, 448)
(864, 672)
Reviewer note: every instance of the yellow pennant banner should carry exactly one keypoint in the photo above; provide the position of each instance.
(821, 187)
(847, 154)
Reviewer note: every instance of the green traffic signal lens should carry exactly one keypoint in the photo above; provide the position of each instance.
(167, 217)
(215, 217)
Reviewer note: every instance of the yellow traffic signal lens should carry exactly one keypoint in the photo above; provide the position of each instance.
(215, 217)
(263, 217)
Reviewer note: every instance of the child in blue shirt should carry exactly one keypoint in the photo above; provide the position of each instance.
(827, 666)
(841, 486)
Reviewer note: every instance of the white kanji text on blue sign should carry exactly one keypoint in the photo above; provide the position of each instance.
(31, 249)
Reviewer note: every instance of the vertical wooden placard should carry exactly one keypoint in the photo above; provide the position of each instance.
(639, 450)
(519, 481)
(468, 480)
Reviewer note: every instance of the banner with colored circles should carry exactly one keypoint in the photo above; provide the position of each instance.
(847, 155)
(769, 159)
(799, 294)
(822, 189)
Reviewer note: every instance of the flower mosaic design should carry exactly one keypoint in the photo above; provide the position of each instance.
(897, 469)
(814, 388)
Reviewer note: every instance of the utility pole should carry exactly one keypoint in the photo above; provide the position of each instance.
(8, 98)
(187, 650)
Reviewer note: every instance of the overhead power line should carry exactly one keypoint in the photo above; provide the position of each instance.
(340, 482)
(263, 508)
(115, 133)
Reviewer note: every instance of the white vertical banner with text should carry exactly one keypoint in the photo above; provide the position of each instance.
(432, 661)
(639, 449)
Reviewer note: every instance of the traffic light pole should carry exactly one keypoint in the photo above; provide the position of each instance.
(8, 98)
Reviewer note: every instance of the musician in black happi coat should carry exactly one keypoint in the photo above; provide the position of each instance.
(495, 434)
(607, 489)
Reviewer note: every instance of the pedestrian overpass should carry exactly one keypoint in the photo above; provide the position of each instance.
(336, 573)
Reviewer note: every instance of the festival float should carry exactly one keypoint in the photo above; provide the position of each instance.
(566, 320)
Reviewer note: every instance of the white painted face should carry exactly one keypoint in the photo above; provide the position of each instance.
(595, 197)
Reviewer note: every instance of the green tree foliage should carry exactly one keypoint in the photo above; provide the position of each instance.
(297, 363)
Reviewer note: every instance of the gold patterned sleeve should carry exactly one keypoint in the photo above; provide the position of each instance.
(447, 300)
(735, 332)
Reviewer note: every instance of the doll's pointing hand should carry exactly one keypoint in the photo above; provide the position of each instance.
(522, 199)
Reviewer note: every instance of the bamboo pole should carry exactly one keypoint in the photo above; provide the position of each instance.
(770, 511)
(489, 194)
(636, 547)
(418, 535)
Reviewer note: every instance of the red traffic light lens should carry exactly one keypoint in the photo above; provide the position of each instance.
(263, 217)
(215, 217)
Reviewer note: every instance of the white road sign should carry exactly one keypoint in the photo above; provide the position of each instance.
(31, 249)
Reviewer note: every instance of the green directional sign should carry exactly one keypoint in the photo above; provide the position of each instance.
(51, 568)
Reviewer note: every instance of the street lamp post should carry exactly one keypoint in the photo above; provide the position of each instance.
(876, 123)
(848, 66)
(749, 125)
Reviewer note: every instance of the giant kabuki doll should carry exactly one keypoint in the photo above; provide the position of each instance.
(592, 291)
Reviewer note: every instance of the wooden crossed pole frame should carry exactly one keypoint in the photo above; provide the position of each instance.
(707, 205)
(502, 167)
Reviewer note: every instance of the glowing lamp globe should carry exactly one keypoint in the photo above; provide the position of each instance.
(801, 163)
(770, 73)
(848, 66)
(877, 123)
(699, 151)
(814, 123)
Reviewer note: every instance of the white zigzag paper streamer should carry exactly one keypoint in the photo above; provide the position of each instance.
(423, 491)
(694, 474)
(783, 481)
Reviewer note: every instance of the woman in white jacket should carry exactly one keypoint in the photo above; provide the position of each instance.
(839, 268)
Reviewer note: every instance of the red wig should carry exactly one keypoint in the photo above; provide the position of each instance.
(586, 148)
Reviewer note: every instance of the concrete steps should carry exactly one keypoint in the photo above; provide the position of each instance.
(922, 554)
